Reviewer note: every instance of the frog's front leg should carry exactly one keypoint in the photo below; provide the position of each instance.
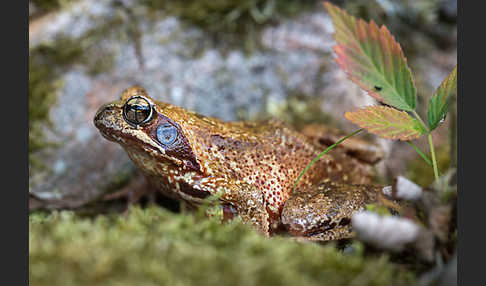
(324, 212)
(247, 200)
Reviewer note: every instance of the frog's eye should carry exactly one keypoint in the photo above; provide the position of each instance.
(167, 133)
(137, 110)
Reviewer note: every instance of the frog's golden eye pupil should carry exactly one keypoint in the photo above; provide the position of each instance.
(137, 110)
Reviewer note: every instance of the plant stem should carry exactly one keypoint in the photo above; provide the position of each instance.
(323, 153)
(431, 144)
(426, 159)
(432, 153)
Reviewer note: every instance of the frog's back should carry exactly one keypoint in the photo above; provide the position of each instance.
(270, 156)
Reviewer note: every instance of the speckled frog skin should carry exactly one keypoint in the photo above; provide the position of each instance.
(250, 166)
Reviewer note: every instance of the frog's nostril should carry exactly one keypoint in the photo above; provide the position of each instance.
(98, 119)
(101, 114)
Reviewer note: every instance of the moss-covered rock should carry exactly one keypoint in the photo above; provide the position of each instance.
(234, 21)
(47, 62)
(42, 88)
(43, 85)
(156, 247)
(45, 6)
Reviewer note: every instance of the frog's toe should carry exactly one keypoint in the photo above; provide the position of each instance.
(332, 234)
(315, 226)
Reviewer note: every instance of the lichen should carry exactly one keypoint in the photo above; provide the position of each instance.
(153, 246)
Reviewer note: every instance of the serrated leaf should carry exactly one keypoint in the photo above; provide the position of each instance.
(439, 102)
(387, 122)
(372, 58)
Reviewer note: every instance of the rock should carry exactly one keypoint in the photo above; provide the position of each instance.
(125, 44)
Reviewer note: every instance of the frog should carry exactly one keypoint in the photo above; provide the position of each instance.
(251, 167)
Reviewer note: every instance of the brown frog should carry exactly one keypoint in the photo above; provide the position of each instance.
(250, 166)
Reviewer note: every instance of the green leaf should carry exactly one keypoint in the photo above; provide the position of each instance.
(372, 58)
(439, 103)
(387, 122)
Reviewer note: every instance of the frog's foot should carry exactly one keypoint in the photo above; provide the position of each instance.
(365, 151)
(324, 212)
(337, 233)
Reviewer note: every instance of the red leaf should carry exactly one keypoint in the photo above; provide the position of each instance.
(372, 58)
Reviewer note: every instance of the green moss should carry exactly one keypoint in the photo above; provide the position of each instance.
(379, 209)
(236, 21)
(156, 247)
(421, 173)
(45, 66)
(41, 95)
(45, 6)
